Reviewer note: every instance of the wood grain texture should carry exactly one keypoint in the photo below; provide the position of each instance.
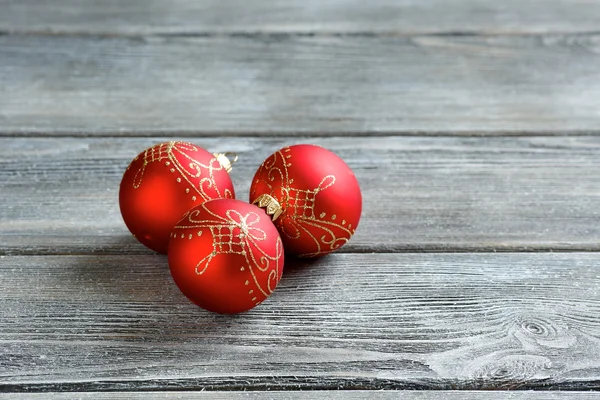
(274, 85)
(307, 16)
(347, 321)
(309, 395)
(420, 194)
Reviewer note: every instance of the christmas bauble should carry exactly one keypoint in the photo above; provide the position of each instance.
(313, 197)
(226, 256)
(165, 181)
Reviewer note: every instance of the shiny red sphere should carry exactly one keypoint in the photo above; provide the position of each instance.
(165, 181)
(226, 256)
(318, 194)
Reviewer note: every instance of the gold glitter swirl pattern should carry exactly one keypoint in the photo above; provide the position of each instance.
(176, 158)
(236, 234)
(299, 207)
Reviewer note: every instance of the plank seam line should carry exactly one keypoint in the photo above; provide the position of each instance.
(18, 253)
(298, 134)
(288, 34)
(293, 384)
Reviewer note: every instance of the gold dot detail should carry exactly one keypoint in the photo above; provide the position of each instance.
(322, 215)
(178, 180)
(199, 233)
(250, 292)
(333, 217)
(193, 198)
(247, 283)
(344, 222)
(242, 269)
(190, 236)
(182, 235)
(168, 163)
(254, 299)
(187, 190)
(172, 170)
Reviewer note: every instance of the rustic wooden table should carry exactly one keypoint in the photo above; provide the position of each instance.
(473, 127)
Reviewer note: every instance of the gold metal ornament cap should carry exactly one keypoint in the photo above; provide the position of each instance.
(270, 205)
(223, 159)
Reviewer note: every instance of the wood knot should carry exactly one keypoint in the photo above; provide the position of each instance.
(539, 328)
(511, 371)
(544, 332)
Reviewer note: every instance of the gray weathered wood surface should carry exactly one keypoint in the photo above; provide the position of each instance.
(134, 17)
(190, 86)
(304, 395)
(436, 194)
(472, 126)
(372, 321)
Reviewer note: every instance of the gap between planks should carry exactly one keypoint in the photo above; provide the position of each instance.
(298, 135)
(287, 34)
(139, 250)
(309, 395)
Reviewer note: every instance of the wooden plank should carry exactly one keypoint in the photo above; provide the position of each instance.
(420, 194)
(307, 16)
(301, 395)
(276, 85)
(348, 321)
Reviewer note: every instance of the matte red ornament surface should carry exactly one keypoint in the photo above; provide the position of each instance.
(319, 196)
(226, 256)
(162, 183)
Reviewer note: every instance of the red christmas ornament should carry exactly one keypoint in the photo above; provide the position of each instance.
(313, 197)
(226, 256)
(165, 181)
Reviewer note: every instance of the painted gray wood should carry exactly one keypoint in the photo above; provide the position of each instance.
(347, 321)
(274, 85)
(326, 394)
(420, 194)
(307, 16)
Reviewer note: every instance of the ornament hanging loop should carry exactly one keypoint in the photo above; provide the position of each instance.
(225, 159)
